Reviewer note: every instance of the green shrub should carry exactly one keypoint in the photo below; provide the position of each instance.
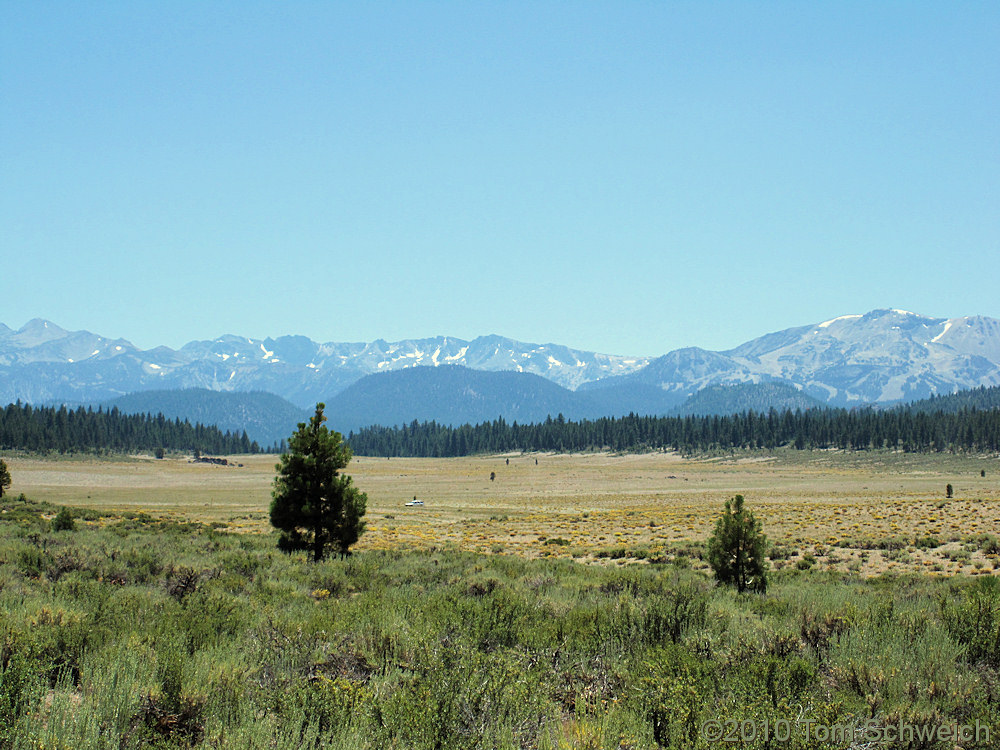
(973, 620)
(17, 685)
(34, 562)
(674, 693)
(777, 552)
(64, 521)
(990, 545)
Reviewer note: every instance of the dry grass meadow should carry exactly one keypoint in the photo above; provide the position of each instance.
(866, 513)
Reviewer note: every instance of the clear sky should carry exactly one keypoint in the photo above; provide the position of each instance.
(624, 177)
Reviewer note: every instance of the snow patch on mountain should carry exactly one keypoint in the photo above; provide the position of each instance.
(947, 327)
(828, 323)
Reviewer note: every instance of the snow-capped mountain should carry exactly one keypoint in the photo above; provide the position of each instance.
(42, 362)
(883, 356)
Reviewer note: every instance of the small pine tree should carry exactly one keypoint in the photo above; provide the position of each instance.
(4, 477)
(737, 548)
(949, 492)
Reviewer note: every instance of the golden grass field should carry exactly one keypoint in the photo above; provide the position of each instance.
(808, 502)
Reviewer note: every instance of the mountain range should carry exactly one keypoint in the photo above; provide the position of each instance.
(43, 362)
(884, 356)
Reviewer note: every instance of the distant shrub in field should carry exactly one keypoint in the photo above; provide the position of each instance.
(242, 563)
(34, 562)
(899, 556)
(958, 555)
(893, 543)
(692, 550)
(64, 521)
(991, 546)
(612, 553)
(669, 616)
(779, 553)
(482, 588)
(181, 582)
(64, 562)
(818, 632)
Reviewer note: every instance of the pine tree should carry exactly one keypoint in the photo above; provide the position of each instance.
(4, 477)
(314, 505)
(736, 550)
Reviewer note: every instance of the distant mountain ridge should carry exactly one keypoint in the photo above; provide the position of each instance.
(42, 362)
(744, 397)
(458, 395)
(452, 395)
(884, 356)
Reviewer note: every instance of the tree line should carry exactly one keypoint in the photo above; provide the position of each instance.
(862, 429)
(63, 430)
(983, 397)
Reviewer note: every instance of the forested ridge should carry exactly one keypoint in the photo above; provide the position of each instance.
(863, 429)
(63, 430)
(975, 398)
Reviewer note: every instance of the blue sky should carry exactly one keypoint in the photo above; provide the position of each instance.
(620, 177)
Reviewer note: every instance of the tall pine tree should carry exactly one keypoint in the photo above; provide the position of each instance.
(314, 505)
